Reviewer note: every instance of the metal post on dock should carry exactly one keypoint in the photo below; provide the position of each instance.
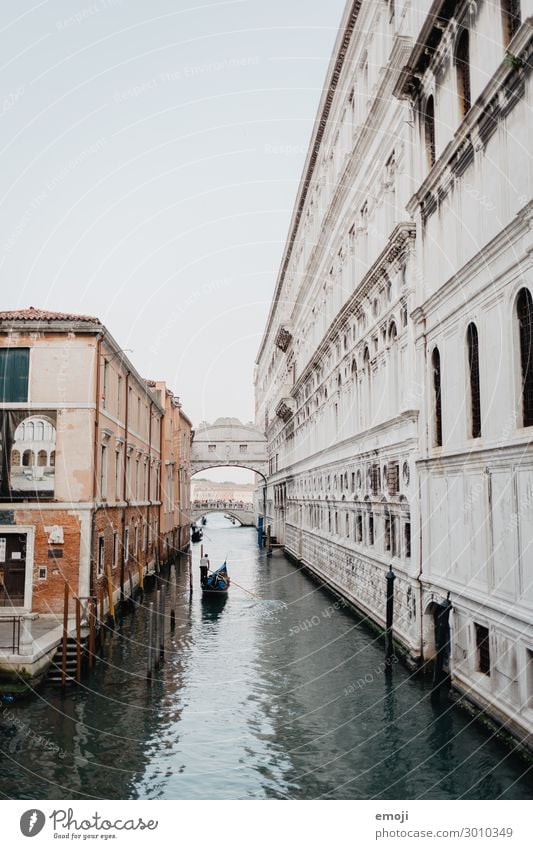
(390, 577)
(65, 637)
(157, 627)
(269, 543)
(202, 550)
(92, 617)
(78, 640)
(150, 641)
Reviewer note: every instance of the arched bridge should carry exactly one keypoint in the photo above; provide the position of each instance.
(244, 515)
(229, 442)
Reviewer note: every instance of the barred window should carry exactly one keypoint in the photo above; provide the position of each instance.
(429, 131)
(393, 478)
(437, 411)
(473, 366)
(462, 59)
(483, 649)
(511, 19)
(524, 308)
(371, 529)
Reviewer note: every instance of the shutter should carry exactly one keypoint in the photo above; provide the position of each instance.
(14, 367)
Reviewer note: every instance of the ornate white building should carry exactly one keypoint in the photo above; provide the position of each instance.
(394, 376)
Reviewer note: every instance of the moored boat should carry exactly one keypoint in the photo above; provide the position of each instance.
(217, 583)
(197, 533)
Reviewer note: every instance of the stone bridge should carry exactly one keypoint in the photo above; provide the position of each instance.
(245, 515)
(229, 442)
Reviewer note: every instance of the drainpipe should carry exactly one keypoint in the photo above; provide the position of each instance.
(124, 483)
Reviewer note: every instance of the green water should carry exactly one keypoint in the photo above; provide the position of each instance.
(277, 695)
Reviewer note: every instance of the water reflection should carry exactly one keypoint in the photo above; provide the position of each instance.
(272, 692)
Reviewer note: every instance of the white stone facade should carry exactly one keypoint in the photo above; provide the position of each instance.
(412, 233)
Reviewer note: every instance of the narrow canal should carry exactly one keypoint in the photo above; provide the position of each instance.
(279, 694)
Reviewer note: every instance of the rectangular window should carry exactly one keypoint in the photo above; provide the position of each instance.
(103, 472)
(243, 449)
(393, 478)
(407, 538)
(483, 649)
(115, 549)
(14, 370)
(374, 478)
(117, 476)
(359, 528)
(353, 481)
(529, 678)
(136, 541)
(101, 554)
(126, 545)
(387, 535)
(393, 536)
(212, 449)
(371, 529)
(105, 384)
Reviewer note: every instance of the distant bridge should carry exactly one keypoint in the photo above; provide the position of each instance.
(243, 513)
(229, 442)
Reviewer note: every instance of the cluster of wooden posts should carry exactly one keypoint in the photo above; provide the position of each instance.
(157, 620)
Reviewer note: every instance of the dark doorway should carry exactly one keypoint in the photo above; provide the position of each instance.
(12, 569)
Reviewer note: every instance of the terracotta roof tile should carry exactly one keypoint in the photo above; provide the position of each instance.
(33, 314)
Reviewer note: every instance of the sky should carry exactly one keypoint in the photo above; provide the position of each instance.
(150, 154)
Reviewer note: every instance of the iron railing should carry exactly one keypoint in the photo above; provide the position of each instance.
(14, 645)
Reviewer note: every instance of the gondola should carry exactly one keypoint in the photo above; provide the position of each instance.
(197, 533)
(217, 583)
(204, 520)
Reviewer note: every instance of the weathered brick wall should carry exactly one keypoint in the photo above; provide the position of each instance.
(48, 593)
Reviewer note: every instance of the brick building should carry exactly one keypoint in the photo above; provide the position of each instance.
(90, 464)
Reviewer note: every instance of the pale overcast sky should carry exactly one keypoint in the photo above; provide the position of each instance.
(150, 155)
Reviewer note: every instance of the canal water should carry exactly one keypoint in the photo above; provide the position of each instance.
(280, 693)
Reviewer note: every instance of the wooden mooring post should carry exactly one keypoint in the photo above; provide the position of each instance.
(150, 642)
(162, 625)
(65, 637)
(269, 541)
(92, 628)
(157, 627)
(173, 598)
(78, 640)
(190, 574)
(130, 579)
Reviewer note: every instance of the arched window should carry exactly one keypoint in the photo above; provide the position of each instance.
(473, 368)
(28, 458)
(437, 403)
(15, 458)
(462, 60)
(429, 131)
(52, 458)
(41, 458)
(524, 309)
(511, 19)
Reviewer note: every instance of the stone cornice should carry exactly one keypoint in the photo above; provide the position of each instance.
(496, 100)
(398, 243)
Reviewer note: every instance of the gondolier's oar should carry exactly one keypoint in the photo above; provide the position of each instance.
(245, 590)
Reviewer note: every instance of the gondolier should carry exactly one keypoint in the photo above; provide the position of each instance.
(204, 568)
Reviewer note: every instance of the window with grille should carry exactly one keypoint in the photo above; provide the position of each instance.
(387, 534)
(511, 19)
(375, 478)
(524, 308)
(483, 649)
(473, 368)
(359, 528)
(393, 478)
(437, 409)
(429, 131)
(462, 59)
(14, 369)
(371, 529)
(407, 538)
